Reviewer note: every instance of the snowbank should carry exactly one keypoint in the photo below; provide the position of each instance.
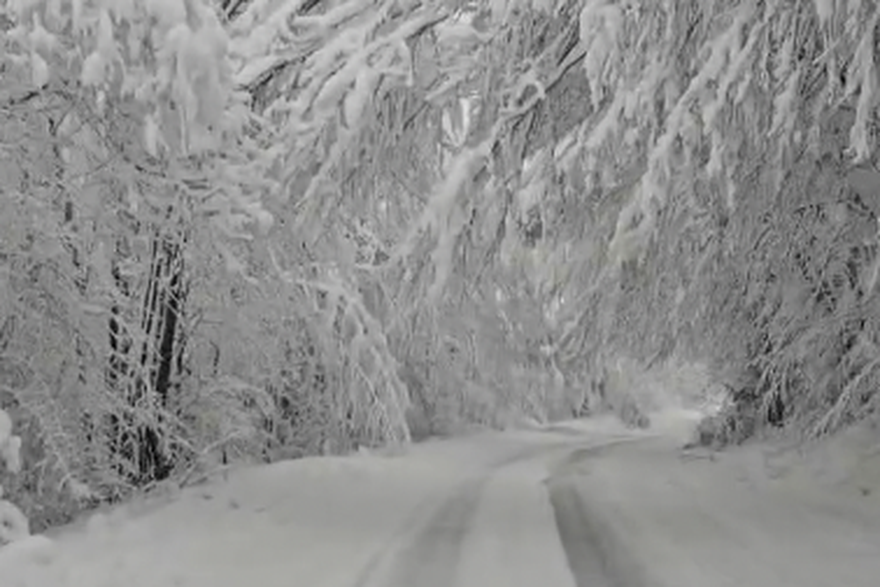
(687, 520)
(845, 467)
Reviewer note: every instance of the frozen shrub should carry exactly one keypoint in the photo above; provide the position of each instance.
(13, 523)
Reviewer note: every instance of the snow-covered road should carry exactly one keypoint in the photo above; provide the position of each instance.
(666, 520)
(567, 507)
(497, 528)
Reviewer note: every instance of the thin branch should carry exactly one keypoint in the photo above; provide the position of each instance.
(23, 99)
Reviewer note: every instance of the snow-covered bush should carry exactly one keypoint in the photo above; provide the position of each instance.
(13, 523)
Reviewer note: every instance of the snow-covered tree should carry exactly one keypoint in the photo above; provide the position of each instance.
(261, 228)
(715, 213)
(134, 170)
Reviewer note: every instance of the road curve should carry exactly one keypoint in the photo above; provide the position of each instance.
(432, 555)
(632, 513)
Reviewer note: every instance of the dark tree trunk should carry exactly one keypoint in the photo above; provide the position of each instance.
(138, 448)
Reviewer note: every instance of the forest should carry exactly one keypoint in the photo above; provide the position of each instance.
(253, 230)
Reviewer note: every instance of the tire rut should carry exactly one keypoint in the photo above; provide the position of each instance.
(430, 560)
(591, 558)
(431, 557)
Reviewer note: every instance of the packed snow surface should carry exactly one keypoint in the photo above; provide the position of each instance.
(475, 511)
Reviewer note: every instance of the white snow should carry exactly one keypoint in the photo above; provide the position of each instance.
(315, 522)
(680, 518)
(513, 541)
(694, 518)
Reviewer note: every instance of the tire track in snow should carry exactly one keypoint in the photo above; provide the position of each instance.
(591, 557)
(431, 557)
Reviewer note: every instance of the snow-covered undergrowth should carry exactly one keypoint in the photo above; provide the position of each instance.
(18, 550)
(13, 523)
(669, 385)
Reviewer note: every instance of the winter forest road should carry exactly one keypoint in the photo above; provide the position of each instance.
(630, 512)
(581, 504)
(497, 528)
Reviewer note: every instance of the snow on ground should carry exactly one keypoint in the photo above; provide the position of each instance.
(694, 518)
(673, 423)
(665, 517)
(513, 541)
(314, 522)
(846, 465)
